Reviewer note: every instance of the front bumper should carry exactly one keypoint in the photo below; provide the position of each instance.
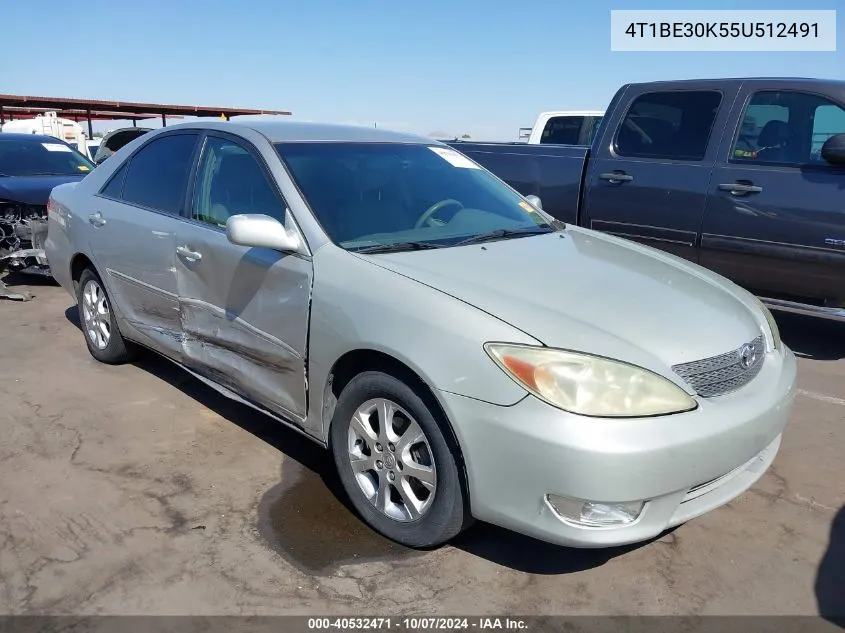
(680, 465)
(29, 257)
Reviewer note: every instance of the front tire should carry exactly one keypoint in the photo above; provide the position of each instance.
(395, 462)
(99, 325)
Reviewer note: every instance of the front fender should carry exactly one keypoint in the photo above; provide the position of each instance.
(356, 305)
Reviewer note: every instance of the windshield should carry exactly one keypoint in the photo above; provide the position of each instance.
(372, 194)
(36, 158)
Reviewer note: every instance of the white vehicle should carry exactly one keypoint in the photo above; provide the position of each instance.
(567, 127)
(92, 145)
(50, 124)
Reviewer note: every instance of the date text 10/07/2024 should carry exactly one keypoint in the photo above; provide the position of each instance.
(408, 624)
(746, 30)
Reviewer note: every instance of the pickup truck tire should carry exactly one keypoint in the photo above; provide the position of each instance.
(98, 322)
(378, 464)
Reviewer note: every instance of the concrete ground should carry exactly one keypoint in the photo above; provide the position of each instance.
(137, 490)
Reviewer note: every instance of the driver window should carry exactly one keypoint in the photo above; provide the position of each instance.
(230, 181)
(786, 128)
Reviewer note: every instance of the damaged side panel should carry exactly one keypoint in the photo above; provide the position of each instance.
(241, 357)
(23, 229)
(134, 251)
(244, 319)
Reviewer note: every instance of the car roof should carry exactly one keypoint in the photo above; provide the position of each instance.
(301, 131)
(35, 138)
(779, 81)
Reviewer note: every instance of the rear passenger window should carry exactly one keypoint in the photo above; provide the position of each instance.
(114, 186)
(672, 125)
(157, 175)
(563, 130)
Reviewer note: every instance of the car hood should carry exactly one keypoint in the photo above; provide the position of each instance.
(32, 189)
(591, 292)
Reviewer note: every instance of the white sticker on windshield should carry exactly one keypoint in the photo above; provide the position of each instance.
(455, 159)
(55, 147)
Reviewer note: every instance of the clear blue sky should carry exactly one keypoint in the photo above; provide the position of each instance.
(483, 67)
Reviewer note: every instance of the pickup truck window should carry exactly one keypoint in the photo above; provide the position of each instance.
(570, 130)
(673, 125)
(829, 120)
(786, 128)
(563, 130)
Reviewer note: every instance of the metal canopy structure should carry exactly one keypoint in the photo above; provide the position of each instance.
(23, 106)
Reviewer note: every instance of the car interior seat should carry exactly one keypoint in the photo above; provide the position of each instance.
(773, 142)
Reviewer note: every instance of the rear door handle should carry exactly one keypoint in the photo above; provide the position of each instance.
(740, 188)
(616, 177)
(96, 219)
(186, 253)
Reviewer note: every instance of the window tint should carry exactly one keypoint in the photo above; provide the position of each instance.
(563, 130)
(114, 186)
(828, 120)
(570, 130)
(672, 125)
(38, 157)
(594, 127)
(786, 128)
(230, 181)
(158, 174)
(387, 193)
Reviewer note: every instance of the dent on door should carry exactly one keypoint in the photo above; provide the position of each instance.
(244, 319)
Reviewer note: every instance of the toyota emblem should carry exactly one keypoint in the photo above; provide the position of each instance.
(747, 356)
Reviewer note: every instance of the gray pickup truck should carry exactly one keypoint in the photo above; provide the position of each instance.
(742, 176)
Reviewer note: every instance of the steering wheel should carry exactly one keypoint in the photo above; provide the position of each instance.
(434, 209)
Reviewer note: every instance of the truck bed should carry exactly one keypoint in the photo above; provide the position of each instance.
(551, 172)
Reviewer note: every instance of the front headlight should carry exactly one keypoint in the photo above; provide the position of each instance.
(777, 344)
(589, 385)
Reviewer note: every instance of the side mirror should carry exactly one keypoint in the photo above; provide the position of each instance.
(260, 231)
(833, 150)
(534, 201)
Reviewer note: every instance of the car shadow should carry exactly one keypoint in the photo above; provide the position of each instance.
(830, 581)
(811, 337)
(307, 517)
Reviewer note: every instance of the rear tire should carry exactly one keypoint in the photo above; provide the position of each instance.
(402, 477)
(99, 325)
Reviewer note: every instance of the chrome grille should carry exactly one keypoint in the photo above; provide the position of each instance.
(719, 375)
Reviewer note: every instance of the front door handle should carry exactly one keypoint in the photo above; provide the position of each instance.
(96, 219)
(186, 253)
(740, 188)
(616, 177)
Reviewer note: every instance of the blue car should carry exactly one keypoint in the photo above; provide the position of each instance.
(30, 166)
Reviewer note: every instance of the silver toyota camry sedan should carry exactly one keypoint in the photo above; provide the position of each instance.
(460, 354)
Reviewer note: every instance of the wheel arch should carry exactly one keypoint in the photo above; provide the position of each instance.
(78, 263)
(355, 362)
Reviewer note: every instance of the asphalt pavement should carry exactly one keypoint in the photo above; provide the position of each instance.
(138, 490)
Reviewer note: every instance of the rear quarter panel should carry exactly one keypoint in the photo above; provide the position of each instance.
(64, 231)
(67, 224)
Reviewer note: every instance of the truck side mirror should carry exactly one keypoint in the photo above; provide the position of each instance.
(833, 150)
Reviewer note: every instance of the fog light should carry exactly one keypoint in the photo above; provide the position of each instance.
(594, 513)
